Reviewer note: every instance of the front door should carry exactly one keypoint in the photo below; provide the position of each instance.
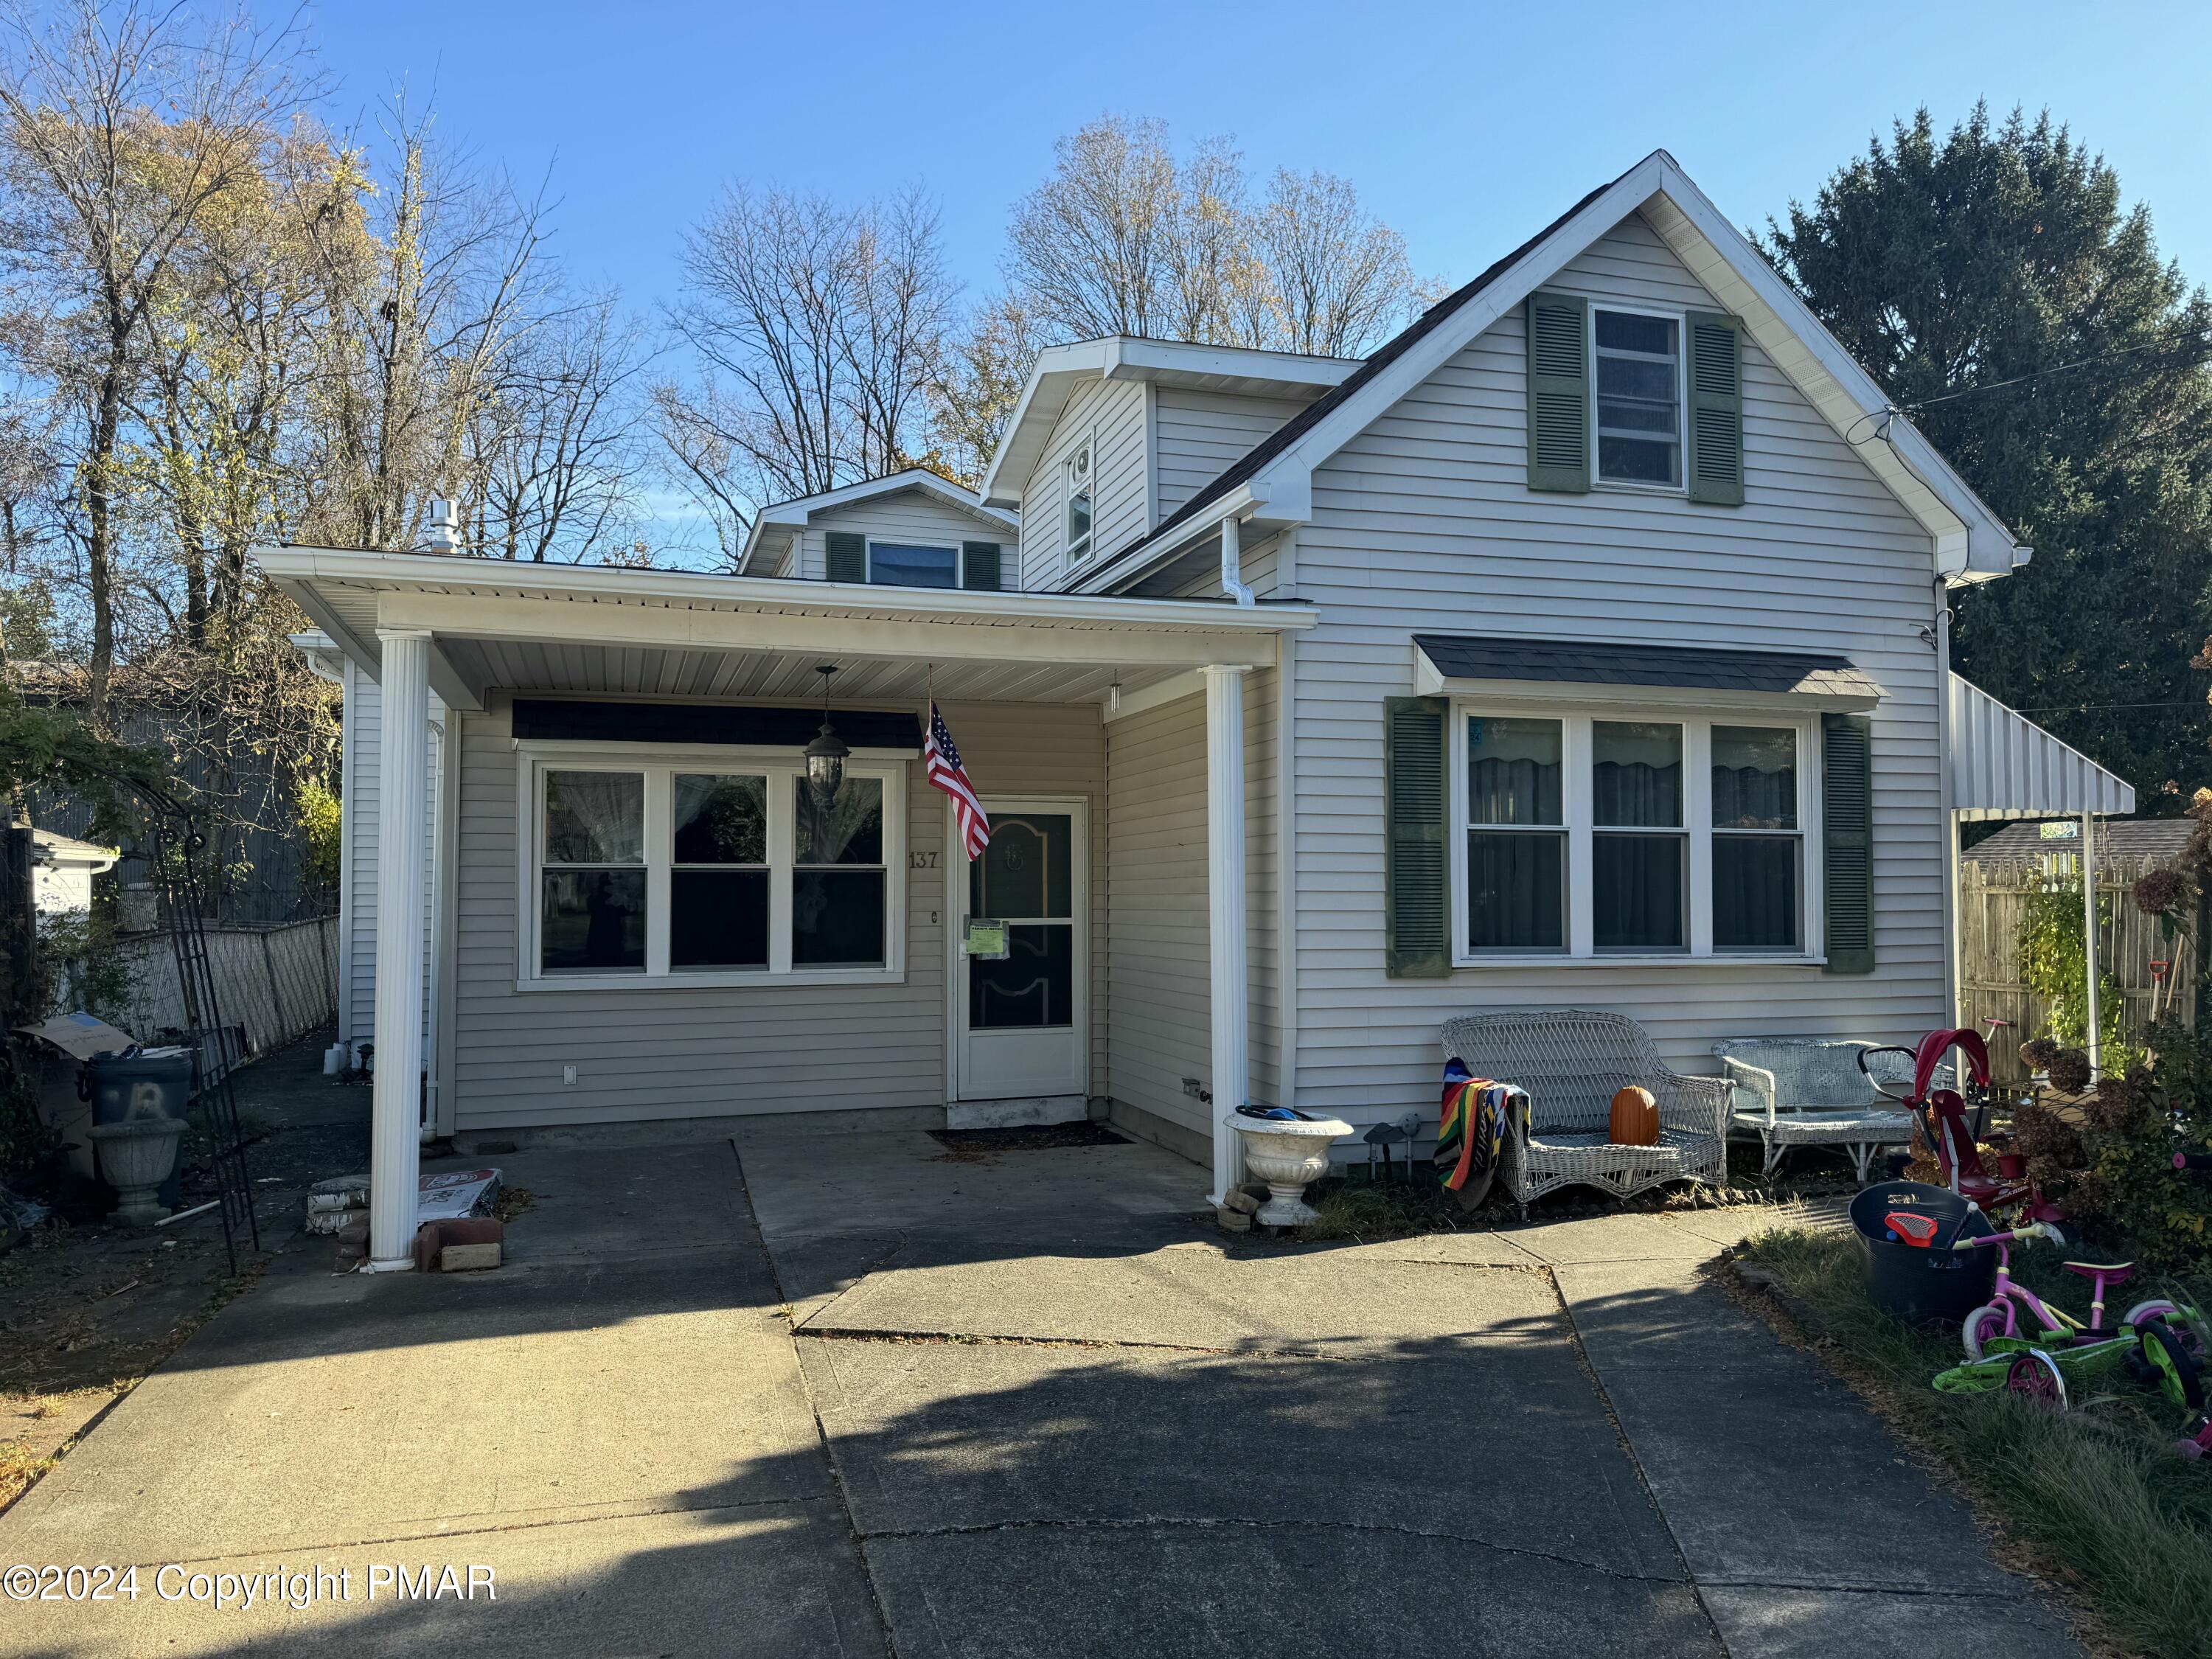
(1022, 1019)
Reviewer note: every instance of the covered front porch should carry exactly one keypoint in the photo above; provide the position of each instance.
(641, 910)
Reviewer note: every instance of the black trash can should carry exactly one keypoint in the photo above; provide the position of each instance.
(1917, 1285)
(150, 1082)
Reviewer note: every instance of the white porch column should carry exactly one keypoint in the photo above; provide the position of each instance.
(1225, 924)
(2090, 936)
(395, 1151)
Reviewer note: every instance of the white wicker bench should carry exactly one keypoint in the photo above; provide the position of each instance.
(1572, 1061)
(1809, 1091)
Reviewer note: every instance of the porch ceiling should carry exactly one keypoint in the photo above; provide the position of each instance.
(541, 627)
(787, 676)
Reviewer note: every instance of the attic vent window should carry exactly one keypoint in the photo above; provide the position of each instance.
(1077, 472)
(1639, 398)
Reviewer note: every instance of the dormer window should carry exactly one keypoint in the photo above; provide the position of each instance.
(1076, 475)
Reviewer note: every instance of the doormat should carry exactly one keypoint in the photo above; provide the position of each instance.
(1028, 1138)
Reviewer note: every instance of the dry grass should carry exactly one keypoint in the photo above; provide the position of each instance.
(2097, 1495)
(19, 1469)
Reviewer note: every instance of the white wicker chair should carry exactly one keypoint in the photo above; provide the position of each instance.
(1572, 1061)
(1809, 1091)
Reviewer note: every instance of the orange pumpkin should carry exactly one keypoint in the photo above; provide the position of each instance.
(1635, 1120)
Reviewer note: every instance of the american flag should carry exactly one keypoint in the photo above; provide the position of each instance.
(946, 772)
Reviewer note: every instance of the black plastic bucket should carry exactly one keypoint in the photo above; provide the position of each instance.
(1924, 1285)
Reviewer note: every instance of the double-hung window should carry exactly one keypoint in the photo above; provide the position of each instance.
(716, 869)
(1647, 837)
(1075, 479)
(1638, 358)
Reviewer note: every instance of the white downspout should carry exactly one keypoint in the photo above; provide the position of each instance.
(1232, 564)
(2090, 936)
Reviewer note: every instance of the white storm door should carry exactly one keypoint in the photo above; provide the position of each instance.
(1023, 1021)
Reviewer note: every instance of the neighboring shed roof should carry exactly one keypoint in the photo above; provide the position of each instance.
(2117, 838)
(1486, 657)
(47, 847)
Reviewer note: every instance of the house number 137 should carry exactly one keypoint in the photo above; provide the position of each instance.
(921, 860)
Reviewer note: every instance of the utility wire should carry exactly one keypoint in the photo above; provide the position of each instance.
(2060, 369)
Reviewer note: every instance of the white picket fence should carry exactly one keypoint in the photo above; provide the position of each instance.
(279, 983)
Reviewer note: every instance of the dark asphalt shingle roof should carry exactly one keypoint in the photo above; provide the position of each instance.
(1490, 656)
(2117, 838)
(1248, 465)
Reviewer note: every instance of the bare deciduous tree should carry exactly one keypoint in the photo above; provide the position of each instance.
(118, 130)
(1336, 280)
(1124, 239)
(556, 444)
(819, 330)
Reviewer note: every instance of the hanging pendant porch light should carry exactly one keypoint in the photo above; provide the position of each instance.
(827, 755)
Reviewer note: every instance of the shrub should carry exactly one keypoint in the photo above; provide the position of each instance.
(2122, 1185)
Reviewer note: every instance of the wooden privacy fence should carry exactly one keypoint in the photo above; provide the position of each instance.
(1992, 900)
(279, 983)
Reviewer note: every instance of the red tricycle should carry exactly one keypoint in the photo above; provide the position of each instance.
(1954, 1137)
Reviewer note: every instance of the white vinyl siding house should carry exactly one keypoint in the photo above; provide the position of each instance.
(718, 1045)
(1197, 434)
(1758, 652)
(1109, 417)
(1425, 523)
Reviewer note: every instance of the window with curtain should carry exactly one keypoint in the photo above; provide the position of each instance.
(1695, 835)
(696, 870)
(1640, 864)
(1516, 838)
(1758, 849)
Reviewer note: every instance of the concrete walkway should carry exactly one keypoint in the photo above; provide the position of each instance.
(1025, 1404)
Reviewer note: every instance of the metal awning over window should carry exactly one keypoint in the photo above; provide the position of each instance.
(2003, 765)
(1583, 670)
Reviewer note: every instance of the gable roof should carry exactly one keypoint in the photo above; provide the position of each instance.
(779, 520)
(1972, 543)
(1059, 369)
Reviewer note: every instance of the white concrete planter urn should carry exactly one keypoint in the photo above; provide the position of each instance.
(1287, 1154)
(135, 1155)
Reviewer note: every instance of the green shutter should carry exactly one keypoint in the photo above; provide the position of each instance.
(1559, 392)
(1417, 929)
(1716, 447)
(848, 556)
(979, 565)
(1847, 841)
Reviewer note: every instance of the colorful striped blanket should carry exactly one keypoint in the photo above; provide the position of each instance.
(1478, 1115)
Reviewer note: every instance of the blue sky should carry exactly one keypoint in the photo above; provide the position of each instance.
(1466, 126)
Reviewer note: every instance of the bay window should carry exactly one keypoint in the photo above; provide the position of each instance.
(718, 871)
(1649, 836)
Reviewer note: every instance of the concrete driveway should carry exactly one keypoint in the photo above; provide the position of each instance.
(860, 1394)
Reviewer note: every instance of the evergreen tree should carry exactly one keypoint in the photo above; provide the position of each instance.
(1993, 283)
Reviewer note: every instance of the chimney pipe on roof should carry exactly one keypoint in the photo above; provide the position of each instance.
(445, 532)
